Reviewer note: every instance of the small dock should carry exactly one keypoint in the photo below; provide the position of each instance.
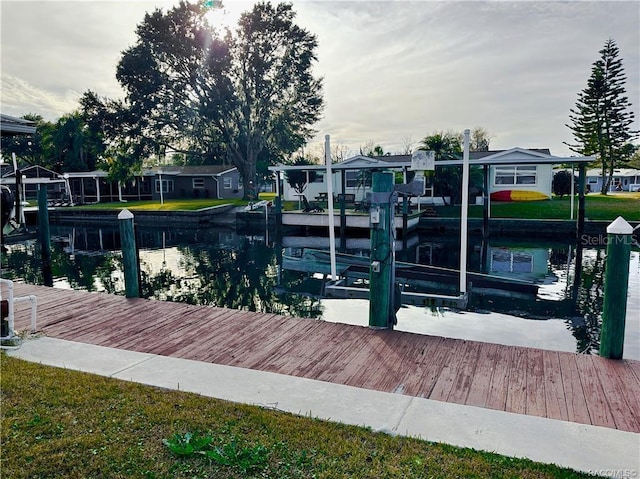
(571, 387)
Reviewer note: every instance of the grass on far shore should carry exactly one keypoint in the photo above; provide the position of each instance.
(62, 423)
(597, 207)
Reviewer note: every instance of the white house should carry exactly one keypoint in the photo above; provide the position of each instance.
(529, 171)
(355, 171)
(624, 179)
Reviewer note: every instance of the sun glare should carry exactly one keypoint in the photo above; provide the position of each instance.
(223, 15)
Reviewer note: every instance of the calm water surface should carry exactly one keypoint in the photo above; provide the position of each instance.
(249, 271)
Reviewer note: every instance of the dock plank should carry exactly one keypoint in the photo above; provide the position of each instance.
(497, 394)
(536, 403)
(423, 363)
(483, 374)
(597, 403)
(620, 392)
(573, 390)
(465, 374)
(447, 377)
(555, 399)
(517, 386)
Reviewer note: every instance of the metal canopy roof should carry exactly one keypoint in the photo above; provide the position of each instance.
(11, 126)
(514, 156)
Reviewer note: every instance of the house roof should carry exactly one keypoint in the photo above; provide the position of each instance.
(621, 172)
(86, 174)
(169, 170)
(32, 175)
(358, 162)
(11, 126)
(520, 156)
(34, 171)
(204, 170)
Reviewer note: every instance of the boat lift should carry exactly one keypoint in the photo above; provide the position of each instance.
(384, 294)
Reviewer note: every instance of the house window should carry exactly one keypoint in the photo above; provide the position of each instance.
(357, 179)
(592, 180)
(319, 178)
(167, 186)
(228, 183)
(516, 175)
(198, 183)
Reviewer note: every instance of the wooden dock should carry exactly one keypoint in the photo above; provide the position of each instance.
(579, 388)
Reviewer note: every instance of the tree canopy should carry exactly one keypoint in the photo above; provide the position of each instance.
(601, 120)
(68, 144)
(299, 179)
(193, 88)
(447, 180)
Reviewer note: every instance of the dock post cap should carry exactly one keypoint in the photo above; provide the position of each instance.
(620, 227)
(125, 214)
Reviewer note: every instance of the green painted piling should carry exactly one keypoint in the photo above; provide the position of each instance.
(616, 285)
(381, 311)
(44, 235)
(129, 256)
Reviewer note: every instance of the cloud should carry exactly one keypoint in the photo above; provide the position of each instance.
(391, 69)
(20, 98)
(396, 69)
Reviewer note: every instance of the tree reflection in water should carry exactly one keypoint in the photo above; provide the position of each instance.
(588, 297)
(243, 277)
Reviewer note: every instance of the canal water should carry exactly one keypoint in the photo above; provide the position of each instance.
(254, 271)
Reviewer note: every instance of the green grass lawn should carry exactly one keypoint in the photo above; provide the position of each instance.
(169, 205)
(58, 423)
(597, 207)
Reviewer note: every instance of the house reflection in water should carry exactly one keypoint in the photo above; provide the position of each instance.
(530, 264)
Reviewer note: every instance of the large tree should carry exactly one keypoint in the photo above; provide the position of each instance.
(601, 120)
(250, 91)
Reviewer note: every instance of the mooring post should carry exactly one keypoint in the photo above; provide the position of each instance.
(44, 235)
(381, 304)
(616, 285)
(129, 257)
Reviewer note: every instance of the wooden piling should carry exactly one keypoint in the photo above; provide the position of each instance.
(44, 235)
(616, 285)
(129, 256)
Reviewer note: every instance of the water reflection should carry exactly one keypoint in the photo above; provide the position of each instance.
(220, 267)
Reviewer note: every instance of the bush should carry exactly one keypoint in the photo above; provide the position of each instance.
(562, 183)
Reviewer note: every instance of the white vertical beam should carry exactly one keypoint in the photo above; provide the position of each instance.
(464, 213)
(332, 234)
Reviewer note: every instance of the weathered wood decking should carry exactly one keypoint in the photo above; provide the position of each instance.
(578, 388)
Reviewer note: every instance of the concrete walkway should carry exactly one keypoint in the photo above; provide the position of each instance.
(604, 451)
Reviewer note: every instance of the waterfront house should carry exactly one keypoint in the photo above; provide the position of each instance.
(353, 176)
(209, 181)
(624, 179)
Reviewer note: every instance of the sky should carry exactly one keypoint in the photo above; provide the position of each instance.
(394, 71)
